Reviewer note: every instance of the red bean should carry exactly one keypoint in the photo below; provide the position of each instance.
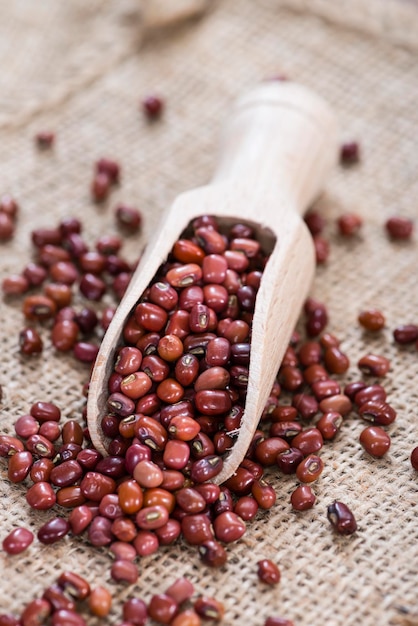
(162, 608)
(372, 319)
(399, 228)
(378, 412)
(349, 224)
(41, 496)
(74, 585)
(197, 529)
(309, 469)
(95, 486)
(145, 543)
(341, 518)
(36, 612)
(302, 498)
(53, 530)
(17, 541)
(135, 611)
(100, 601)
(212, 553)
(278, 621)
(79, 519)
(414, 458)
(405, 334)
(374, 364)
(268, 572)
(308, 441)
(375, 441)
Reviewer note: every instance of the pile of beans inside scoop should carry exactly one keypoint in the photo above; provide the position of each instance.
(70, 601)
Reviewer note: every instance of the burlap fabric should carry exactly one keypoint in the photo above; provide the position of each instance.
(79, 69)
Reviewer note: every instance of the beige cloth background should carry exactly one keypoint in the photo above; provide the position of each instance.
(81, 69)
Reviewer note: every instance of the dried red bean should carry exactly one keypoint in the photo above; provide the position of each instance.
(309, 469)
(53, 530)
(10, 445)
(209, 608)
(38, 308)
(79, 519)
(378, 412)
(405, 334)
(288, 460)
(212, 553)
(341, 518)
(374, 364)
(41, 496)
(17, 541)
(135, 611)
(414, 458)
(349, 224)
(162, 608)
(302, 498)
(399, 228)
(15, 284)
(349, 153)
(153, 106)
(339, 403)
(65, 617)
(74, 585)
(329, 424)
(372, 320)
(124, 571)
(228, 527)
(375, 441)
(19, 466)
(36, 612)
(128, 217)
(268, 572)
(336, 361)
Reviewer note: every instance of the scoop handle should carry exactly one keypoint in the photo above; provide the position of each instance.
(282, 140)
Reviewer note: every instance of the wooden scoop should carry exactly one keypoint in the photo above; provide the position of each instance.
(279, 146)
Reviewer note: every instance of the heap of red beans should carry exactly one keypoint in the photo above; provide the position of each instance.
(176, 399)
(71, 599)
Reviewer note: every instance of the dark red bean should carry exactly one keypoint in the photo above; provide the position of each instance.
(100, 187)
(306, 405)
(10, 445)
(264, 494)
(124, 571)
(405, 334)
(341, 518)
(399, 228)
(268, 572)
(92, 287)
(206, 468)
(100, 531)
(45, 411)
(212, 553)
(41, 470)
(325, 388)
(153, 107)
(349, 153)
(53, 530)
(302, 498)
(17, 541)
(164, 295)
(213, 402)
(414, 458)
(288, 460)
(209, 608)
(129, 218)
(95, 486)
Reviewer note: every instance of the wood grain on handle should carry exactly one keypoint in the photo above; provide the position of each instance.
(278, 147)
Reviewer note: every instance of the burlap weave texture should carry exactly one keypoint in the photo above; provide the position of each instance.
(371, 577)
